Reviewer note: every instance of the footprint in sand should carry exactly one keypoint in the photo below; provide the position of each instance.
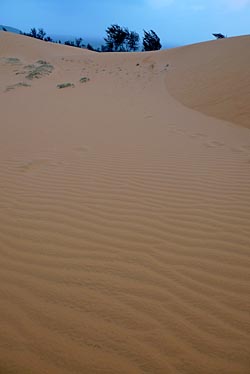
(198, 135)
(214, 144)
(82, 149)
(33, 165)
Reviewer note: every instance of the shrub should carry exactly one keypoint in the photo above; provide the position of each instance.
(84, 80)
(38, 70)
(65, 85)
(13, 86)
(11, 60)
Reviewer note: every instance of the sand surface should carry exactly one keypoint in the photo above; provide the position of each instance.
(124, 214)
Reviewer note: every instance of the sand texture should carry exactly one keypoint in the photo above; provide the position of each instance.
(124, 209)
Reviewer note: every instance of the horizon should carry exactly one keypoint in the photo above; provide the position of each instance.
(177, 22)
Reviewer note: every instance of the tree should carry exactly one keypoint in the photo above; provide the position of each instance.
(132, 41)
(68, 42)
(48, 39)
(33, 33)
(105, 48)
(219, 36)
(41, 34)
(78, 42)
(151, 41)
(90, 47)
(116, 37)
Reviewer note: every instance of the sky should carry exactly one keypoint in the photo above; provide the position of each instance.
(177, 22)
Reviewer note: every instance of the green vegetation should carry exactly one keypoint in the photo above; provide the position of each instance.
(65, 85)
(118, 39)
(77, 43)
(42, 62)
(151, 41)
(38, 34)
(84, 80)
(38, 70)
(11, 60)
(13, 86)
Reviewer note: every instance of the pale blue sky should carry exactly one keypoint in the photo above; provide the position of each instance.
(177, 22)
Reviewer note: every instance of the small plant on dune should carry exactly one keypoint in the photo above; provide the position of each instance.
(13, 86)
(65, 85)
(38, 70)
(42, 62)
(84, 80)
(11, 60)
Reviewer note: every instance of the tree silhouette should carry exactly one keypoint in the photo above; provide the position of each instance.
(78, 42)
(48, 39)
(41, 34)
(33, 33)
(219, 36)
(132, 41)
(90, 47)
(68, 42)
(116, 37)
(151, 41)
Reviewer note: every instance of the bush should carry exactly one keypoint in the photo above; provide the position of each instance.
(84, 80)
(65, 85)
(13, 86)
(38, 70)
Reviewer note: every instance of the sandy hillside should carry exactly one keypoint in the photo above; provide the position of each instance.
(124, 215)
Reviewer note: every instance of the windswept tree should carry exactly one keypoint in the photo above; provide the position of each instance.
(33, 33)
(132, 41)
(41, 34)
(38, 34)
(48, 39)
(151, 41)
(69, 42)
(219, 36)
(90, 47)
(78, 42)
(116, 37)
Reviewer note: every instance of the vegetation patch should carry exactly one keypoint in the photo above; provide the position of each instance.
(42, 62)
(11, 60)
(84, 80)
(38, 70)
(13, 86)
(65, 85)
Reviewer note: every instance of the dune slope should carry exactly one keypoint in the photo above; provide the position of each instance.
(213, 78)
(124, 218)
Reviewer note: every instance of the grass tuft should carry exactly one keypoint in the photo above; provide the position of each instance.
(13, 86)
(11, 60)
(42, 62)
(84, 80)
(38, 70)
(65, 85)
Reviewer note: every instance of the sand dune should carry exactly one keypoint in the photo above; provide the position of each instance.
(213, 78)
(124, 215)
